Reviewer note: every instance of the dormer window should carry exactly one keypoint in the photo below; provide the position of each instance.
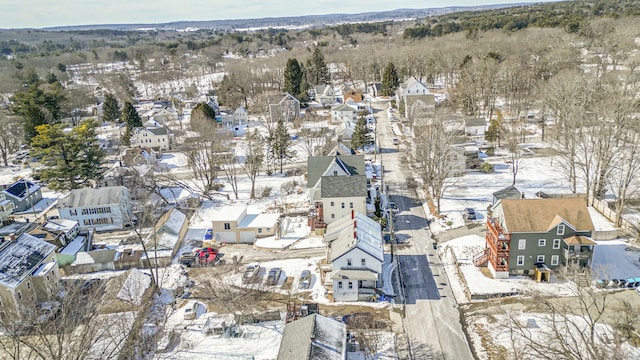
(560, 229)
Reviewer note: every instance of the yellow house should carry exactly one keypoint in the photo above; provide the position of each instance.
(29, 276)
(233, 224)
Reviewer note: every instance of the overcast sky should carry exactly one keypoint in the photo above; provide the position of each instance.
(46, 13)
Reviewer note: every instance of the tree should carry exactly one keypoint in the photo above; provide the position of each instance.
(12, 135)
(280, 142)
(494, 132)
(390, 81)
(360, 136)
(202, 118)
(317, 71)
(130, 115)
(293, 76)
(206, 155)
(515, 151)
(254, 152)
(110, 108)
(71, 159)
(38, 104)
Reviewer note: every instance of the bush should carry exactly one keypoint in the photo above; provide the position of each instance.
(218, 186)
(486, 167)
(266, 192)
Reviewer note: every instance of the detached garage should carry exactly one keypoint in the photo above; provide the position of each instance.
(235, 224)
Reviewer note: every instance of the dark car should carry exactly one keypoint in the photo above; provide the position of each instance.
(274, 276)
(305, 279)
(469, 214)
(250, 273)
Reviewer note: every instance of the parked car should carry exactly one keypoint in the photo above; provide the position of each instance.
(250, 273)
(305, 279)
(274, 276)
(470, 214)
(395, 141)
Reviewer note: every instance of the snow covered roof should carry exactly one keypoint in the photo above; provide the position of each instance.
(59, 225)
(74, 247)
(363, 233)
(90, 197)
(355, 274)
(343, 108)
(19, 258)
(173, 222)
(229, 213)
(314, 337)
(134, 287)
(259, 221)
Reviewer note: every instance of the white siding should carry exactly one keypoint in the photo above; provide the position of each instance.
(356, 255)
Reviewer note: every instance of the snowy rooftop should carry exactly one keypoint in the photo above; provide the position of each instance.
(74, 247)
(60, 225)
(134, 286)
(20, 257)
(313, 337)
(259, 221)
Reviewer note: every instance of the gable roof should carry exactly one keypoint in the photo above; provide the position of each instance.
(317, 165)
(510, 192)
(343, 186)
(537, 215)
(343, 107)
(363, 233)
(89, 197)
(313, 337)
(158, 130)
(474, 122)
(19, 258)
(19, 189)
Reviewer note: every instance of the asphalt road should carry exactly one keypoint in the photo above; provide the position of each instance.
(431, 318)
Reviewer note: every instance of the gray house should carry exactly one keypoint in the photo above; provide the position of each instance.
(535, 236)
(314, 337)
(23, 194)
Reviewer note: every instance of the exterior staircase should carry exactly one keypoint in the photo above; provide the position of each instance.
(583, 279)
(481, 259)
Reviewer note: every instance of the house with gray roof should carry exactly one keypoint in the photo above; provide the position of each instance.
(342, 113)
(102, 209)
(285, 108)
(337, 187)
(157, 138)
(355, 250)
(314, 337)
(29, 275)
(23, 194)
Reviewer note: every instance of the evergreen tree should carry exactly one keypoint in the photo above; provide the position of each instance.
(110, 108)
(38, 104)
(317, 71)
(70, 159)
(390, 80)
(281, 142)
(293, 77)
(130, 116)
(360, 136)
(494, 132)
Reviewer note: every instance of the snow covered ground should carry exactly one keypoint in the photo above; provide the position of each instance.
(615, 259)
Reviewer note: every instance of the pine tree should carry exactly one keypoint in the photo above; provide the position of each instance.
(360, 136)
(494, 132)
(110, 108)
(390, 80)
(130, 116)
(38, 104)
(293, 77)
(281, 143)
(317, 71)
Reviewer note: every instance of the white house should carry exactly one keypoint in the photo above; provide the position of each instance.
(153, 137)
(6, 209)
(345, 130)
(325, 95)
(356, 252)
(475, 127)
(238, 117)
(416, 97)
(411, 86)
(106, 208)
(343, 113)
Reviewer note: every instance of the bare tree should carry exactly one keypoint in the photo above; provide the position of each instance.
(230, 166)
(254, 158)
(12, 133)
(512, 143)
(205, 154)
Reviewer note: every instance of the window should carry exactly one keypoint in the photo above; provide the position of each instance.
(522, 243)
(19, 295)
(350, 285)
(363, 262)
(332, 203)
(520, 260)
(556, 243)
(350, 205)
(542, 242)
(540, 258)
(554, 259)
(342, 205)
(560, 229)
(259, 230)
(268, 229)
(333, 216)
(335, 173)
(348, 262)
(227, 226)
(339, 284)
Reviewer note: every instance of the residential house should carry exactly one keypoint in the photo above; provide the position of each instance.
(526, 234)
(349, 93)
(234, 224)
(165, 115)
(337, 185)
(286, 109)
(6, 209)
(345, 130)
(57, 231)
(29, 276)
(105, 208)
(356, 252)
(475, 127)
(23, 194)
(416, 97)
(342, 113)
(154, 137)
(510, 192)
(238, 117)
(375, 89)
(314, 337)
(169, 232)
(325, 95)
(140, 156)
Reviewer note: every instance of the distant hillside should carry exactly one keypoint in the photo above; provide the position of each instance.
(296, 21)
